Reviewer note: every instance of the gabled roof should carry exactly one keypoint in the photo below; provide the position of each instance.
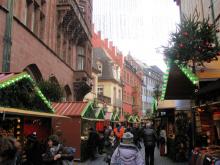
(156, 69)
(18, 90)
(100, 114)
(107, 70)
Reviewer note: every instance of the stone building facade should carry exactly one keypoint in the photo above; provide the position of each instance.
(50, 40)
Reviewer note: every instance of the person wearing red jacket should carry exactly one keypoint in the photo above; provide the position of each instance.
(119, 132)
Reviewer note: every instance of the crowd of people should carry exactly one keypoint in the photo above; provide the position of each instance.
(121, 144)
(35, 153)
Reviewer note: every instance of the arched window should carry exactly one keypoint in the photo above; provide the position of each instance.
(67, 93)
(34, 72)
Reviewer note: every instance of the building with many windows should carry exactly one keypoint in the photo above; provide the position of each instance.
(50, 40)
(109, 81)
(132, 89)
(152, 77)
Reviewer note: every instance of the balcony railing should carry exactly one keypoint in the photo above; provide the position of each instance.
(78, 13)
(104, 99)
(82, 84)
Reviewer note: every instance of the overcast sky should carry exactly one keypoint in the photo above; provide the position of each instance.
(137, 26)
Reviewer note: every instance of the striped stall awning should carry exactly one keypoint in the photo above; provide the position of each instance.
(70, 108)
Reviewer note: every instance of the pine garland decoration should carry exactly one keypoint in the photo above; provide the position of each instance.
(194, 42)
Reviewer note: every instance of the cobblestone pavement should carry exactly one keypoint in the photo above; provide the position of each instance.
(158, 160)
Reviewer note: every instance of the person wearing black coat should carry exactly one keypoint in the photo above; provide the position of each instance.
(137, 134)
(55, 154)
(149, 137)
(8, 151)
(92, 142)
(33, 150)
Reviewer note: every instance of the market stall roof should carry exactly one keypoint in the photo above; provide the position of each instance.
(131, 119)
(179, 83)
(28, 112)
(18, 90)
(75, 108)
(117, 117)
(100, 114)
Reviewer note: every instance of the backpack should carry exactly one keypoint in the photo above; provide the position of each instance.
(68, 150)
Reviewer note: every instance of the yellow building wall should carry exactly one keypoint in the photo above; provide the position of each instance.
(109, 91)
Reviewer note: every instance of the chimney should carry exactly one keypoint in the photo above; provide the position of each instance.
(99, 34)
(114, 50)
(106, 42)
(110, 44)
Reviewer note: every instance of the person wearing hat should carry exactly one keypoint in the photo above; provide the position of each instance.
(127, 153)
(55, 154)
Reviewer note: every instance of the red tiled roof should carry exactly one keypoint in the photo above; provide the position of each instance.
(69, 108)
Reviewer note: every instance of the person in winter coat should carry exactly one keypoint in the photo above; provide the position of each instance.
(118, 131)
(33, 150)
(55, 154)
(136, 132)
(92, 143)
(163, 141)
(109, 146)
(149, 137)
(8, 151)
(127, 153)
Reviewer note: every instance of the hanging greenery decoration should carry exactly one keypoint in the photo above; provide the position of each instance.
(51, 90)
(20, 91)
(193, 43)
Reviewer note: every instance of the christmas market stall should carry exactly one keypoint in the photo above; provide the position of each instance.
(23, 108)
(100, 116)
(74, 131)
(179, 84)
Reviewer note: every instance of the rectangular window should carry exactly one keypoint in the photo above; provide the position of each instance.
(124, 96)
(101, 90)
(42, 25)
(80, 58)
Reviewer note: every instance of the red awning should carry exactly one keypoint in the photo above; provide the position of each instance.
(69, 108)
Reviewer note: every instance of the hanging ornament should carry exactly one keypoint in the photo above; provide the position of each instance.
(185, 33)
(181, 45)
(217, 30)
(207, 43)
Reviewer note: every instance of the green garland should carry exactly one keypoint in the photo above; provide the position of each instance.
(21, 92)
